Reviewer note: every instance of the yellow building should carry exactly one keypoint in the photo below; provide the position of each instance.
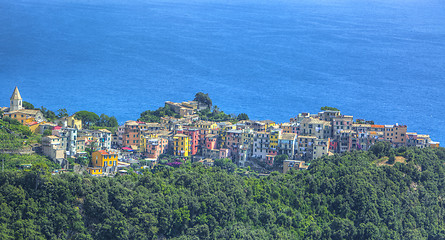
(222, 132)
(95, 170)
(273, 138)
(17, 112)
(26, 115)
(103, 162)
(72, 122)
(33, 126)
(268, 123)
(181, 145)
(206, 125)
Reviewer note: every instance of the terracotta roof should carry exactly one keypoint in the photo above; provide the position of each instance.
(377, 126)
(103, 152)
(32, 123)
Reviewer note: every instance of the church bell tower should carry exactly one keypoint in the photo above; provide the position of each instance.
(16, 101)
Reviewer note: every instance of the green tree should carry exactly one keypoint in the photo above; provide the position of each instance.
(88, 118)
(279, 159)
(112, 122)
(242, 116)
(391, 158)
(47, 132)
(48, 114)
(225, 163)
(203, 98)
(155, 116)
(27, 105)
(62, 113)
(326, 108)
(103, 120)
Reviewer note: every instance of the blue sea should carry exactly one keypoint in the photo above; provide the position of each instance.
(374, 59)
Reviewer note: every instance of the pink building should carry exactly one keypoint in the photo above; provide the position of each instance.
(210, 141)
(194, 140)
(270, 157)
(156, 147)
(233, 141)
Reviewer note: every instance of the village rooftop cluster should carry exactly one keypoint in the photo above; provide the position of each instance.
(304, 138)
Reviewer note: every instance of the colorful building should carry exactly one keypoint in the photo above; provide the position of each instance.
(274, 135)
(103, 162)
(181, 145)
(132, 135)
(69, 121)
(194, 135)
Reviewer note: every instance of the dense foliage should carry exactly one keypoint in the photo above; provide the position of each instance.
(326, 108)
(155, 116)
(27, 105)
(48, 114)
(340, 197)
(13, 161)
(14, 135)
(91, 119)
(217, 115)
(203, 98)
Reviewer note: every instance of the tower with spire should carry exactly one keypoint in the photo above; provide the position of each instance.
(16, 101)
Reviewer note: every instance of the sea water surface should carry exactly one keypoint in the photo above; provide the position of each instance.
(377, 60)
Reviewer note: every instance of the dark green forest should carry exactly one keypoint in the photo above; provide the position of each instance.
(346, 196)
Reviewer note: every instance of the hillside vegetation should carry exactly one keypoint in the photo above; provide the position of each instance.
(340, 197)
(14, 135)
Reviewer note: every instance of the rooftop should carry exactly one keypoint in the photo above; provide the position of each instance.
(288, 136)
(180, 135)
(16, 94)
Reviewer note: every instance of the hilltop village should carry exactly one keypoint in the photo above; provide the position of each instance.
(188, 135)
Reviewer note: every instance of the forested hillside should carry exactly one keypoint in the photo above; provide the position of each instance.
(341, 197)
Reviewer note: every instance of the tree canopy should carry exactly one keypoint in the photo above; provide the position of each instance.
(242, 116)
(62, 113)
(203, 98)
(48, 114)
(88, 118)
(155, 116)
(27, 105)
(345, 196)
(326, 108)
